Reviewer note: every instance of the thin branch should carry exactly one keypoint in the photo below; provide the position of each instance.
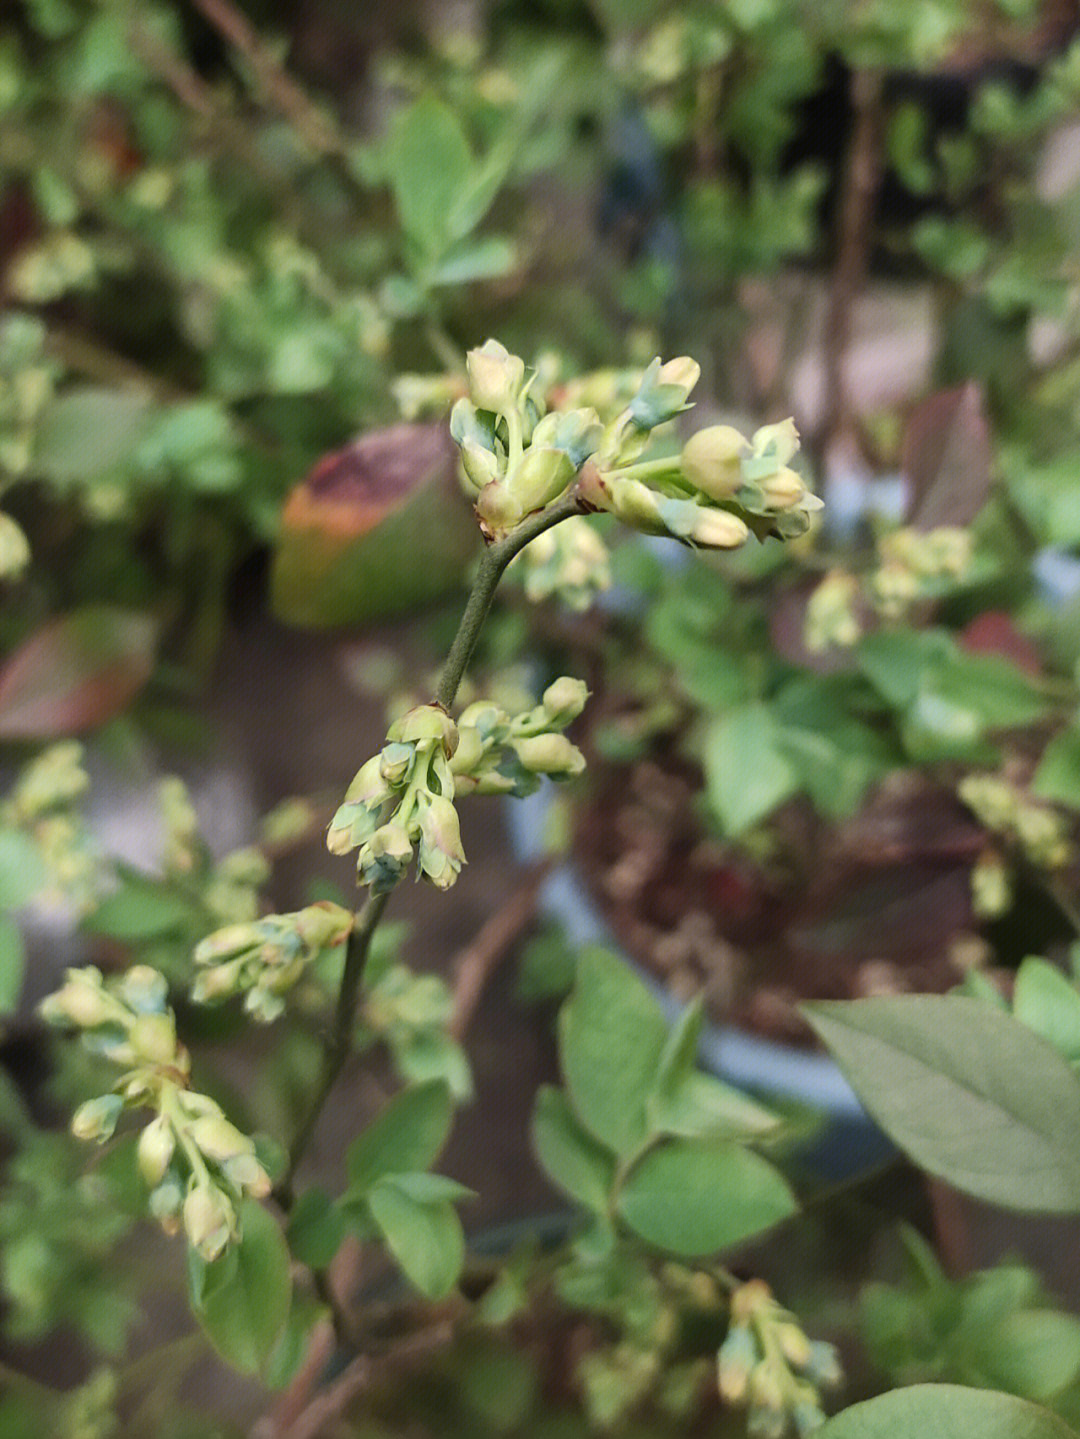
(862, 179)
(476, 963)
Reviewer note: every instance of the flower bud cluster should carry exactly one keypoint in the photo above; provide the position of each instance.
(769, 1366)
(718, 491)
(515, 459)
(196, 1164)
(917, 564)
(832, 620)
(500, 754)
(183, 849)
(44, 805)
(569, 561)
(1036, 830)
(264, 958)
(27, 383)
(400, 805)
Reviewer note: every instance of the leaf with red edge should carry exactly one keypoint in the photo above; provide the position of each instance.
(946, 458)
(376, 529)
(76, 672)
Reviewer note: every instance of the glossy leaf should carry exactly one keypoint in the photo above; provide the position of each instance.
(569, 1156)
(76, 672)
(245, 1295)
(700, 1196)
(971, 1094)
(945, 1411)
(425, 1239)
(612, 1033)
(405, 1137)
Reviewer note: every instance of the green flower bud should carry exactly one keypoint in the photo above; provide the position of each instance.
(368, 787)
(441, 855)
(737, 1356)
(541, 476)
(782, 490)
(218, 982)
(157, 1143)
(323, 925)
(166, 1201)
(96, 1119)
(81, 1001)
(808, 1417)
(710, 461)
(823, 1367)
(14, 548)
(470, 751)
(351, 826)
(218, 1139)
(248, 867)
(794, 1344)
(765, 1390)
(245, 1173)
(209, 1221)
(498, 508)
(395, 762)
(564, 699)
(577, 433)
(718, 530)
(550, 754)
(227, 943)
(484, 717)
(496, 378)
(385, 857)
(663, 391)
(153, 1038)
(771, 448)
(480, 467)
(635, 505)
(426, 722)
(52, 780)
(144, 990)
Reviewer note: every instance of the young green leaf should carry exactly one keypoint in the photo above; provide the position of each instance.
(612, 1033)
(406, 1136)
(12, 964)
(747, 773)
(1048, 1003)
(700, 1196)
(569, 1156)
(430, 166)
(425, 1239)
(945, 1411)
(22, 870)
(316, 1228)
(245, 1296)
(971, 1094)
(141, 909)
(1057, 777)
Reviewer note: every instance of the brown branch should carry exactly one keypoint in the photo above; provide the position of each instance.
(862, 179)
(476, 963)
(280, 88)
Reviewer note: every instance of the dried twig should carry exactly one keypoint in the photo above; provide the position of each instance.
(478, 960)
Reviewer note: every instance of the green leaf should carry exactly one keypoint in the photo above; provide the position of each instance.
(945, 1411)
(425, 1239)
(569, 1156)
(23, 872)
(429, 166)
(246, 1294)
(316, 1228)
(894, 663)
(12, 964)
(612, 1033)
(482, 259)
(89, 431)
(990, 686)
(702, 1107)
(1057, 777)
(971, 1094)
(407, 1136)
(432, 1188)
(1034, 1354)
(293, 1345)
(1047, 1002)
(140, 909)
(699, 1196)
(746, 772)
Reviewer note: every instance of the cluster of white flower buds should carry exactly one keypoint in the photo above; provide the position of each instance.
(400, 804)
(570, 562)
(918, 564)
(264, 958)
(517, 459)
(1023, 825)
(197, 1165)
(767, 1364)
(44, 805)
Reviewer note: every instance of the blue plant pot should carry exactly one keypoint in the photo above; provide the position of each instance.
(847, 1143)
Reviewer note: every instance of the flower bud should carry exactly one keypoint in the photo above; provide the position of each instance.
(209, 1221)
(564, 699)
(153, 1038)
(635, 505)
(351, 826)
(771, 448)
(576, 432)
(718, 530)
(710, 461)
(823, 1367)
(765, 1389)
(496, 378)
(541, 476)
(682, 371)
(395, 762)
(218, 982)
(737, 1357)
(551, 754)
(782, 490)
(498, 509)
(14, 548)
(441, 854)
(144, 990)
(96, 1119)
(246, 1174)
(426, 722)
(479, 465)
(227, 943)
(794, 1344)
(166, 1200)
(323, 925)
(663, 392)
(155, 1150)
(81, 1001)
(52, 780)
(367, 786)
(218, 1139)
(385, 857)
(248, 867)
(469, 752)
(808, 1417)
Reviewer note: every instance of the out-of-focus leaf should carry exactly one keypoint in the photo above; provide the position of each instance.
(90, 430)
(76, 672)
(946, 458)
(376, 529)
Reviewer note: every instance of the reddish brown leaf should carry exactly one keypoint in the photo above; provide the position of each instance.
(994, 633)
(945, 458)
(76, 672)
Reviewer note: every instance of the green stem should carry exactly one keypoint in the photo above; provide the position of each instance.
(494, 562)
